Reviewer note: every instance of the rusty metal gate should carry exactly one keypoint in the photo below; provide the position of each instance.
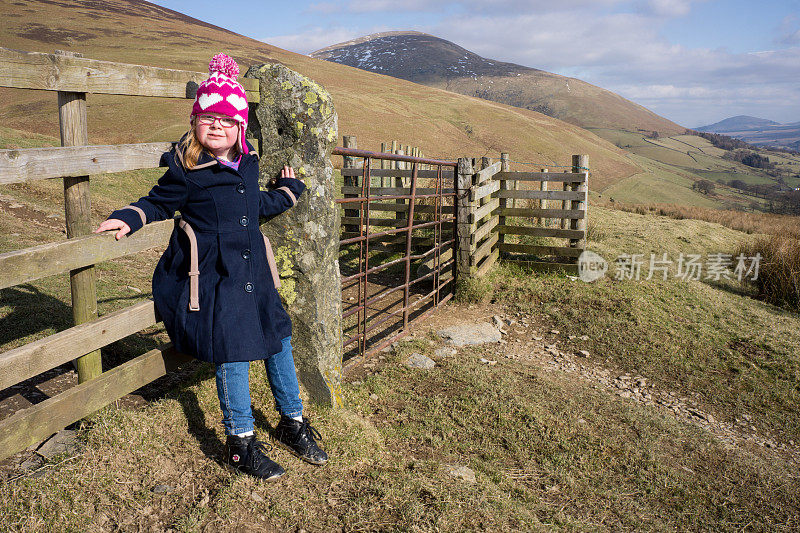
(392, 277)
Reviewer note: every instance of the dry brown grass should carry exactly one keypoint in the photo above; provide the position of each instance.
(748, 222)
(778, 280)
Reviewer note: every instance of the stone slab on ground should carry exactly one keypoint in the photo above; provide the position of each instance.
(65, 441)
(461, 472)
(470, 334)
(417, 360)
(445, 351)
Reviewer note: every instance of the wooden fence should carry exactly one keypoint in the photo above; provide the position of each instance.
(497, 206)
(74, 77)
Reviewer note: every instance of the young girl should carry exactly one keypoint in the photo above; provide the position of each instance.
(215, 285)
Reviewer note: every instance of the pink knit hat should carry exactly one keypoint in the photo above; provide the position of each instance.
(222, 94)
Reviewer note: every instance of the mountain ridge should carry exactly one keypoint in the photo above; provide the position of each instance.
(758, 131)
(436, 62)
(737, 123)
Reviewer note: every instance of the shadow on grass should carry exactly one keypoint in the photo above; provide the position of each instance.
(32, 311)
(732, 287)
(205, 436)
(263, 423)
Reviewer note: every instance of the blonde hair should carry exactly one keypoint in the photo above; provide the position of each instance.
(192, 148)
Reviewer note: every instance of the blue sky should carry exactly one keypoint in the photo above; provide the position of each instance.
(692, 61)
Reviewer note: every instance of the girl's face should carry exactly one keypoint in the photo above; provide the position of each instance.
(217, 137)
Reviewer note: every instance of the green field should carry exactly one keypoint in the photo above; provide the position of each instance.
(672, 164)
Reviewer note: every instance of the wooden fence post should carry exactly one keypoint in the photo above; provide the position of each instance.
(350, 141)
(580, 163)
(77, 211)
(383, 166)
(505, 166)
(463, 226)
(543, 203)
(484, 163)
(565, 203)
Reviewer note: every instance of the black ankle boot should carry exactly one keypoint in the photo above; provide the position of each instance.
(298, 438)
(248, 455)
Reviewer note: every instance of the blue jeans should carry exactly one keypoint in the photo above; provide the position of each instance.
(233, 389)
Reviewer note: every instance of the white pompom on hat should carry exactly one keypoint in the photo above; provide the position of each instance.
(222, 94)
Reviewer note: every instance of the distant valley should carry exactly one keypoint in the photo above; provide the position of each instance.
(758, 131)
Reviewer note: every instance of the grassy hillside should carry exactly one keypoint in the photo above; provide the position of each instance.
(552, 443)
(375, 108)
(436, 62)
(672, 164)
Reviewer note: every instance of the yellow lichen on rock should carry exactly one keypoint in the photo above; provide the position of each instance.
(284, 259)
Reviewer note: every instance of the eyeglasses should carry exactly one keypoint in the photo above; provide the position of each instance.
(225, 122)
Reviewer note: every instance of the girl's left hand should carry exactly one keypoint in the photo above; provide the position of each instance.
(288, 172)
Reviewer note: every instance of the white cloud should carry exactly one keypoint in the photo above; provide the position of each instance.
(669, 8)
(473, 6)
(789, 31)
(314, 38)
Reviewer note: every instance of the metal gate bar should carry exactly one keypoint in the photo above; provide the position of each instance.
(366, 323)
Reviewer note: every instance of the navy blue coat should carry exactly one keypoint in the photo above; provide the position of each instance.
(238, 315)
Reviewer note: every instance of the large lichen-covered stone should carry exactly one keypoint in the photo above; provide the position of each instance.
(295, 124)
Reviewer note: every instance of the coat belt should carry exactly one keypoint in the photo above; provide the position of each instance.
(194, 269)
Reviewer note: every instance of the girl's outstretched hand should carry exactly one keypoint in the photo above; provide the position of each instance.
(112, 224)
(288, 172)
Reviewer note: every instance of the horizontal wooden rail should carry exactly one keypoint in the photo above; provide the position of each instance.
(540, 250)
(402, 208)
(484, 249)
(416, 241)
(487, 173)
(44, 354)
(542, 266)
(31, 164)
(484, 210)
(541, 213)
(53, 72)
(391, 191)
(22, 266)
(484, 230)
(490, 260)
(36, 423)
(543, 195)
(447, 173)
(476, 193)
(391, 222)
(542, 232)
(568, 177)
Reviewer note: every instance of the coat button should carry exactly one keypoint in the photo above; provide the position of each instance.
(240, 188)
(243, 221)
(248, 287)
(246, 254)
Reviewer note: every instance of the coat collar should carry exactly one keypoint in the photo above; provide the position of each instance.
(207, 160)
